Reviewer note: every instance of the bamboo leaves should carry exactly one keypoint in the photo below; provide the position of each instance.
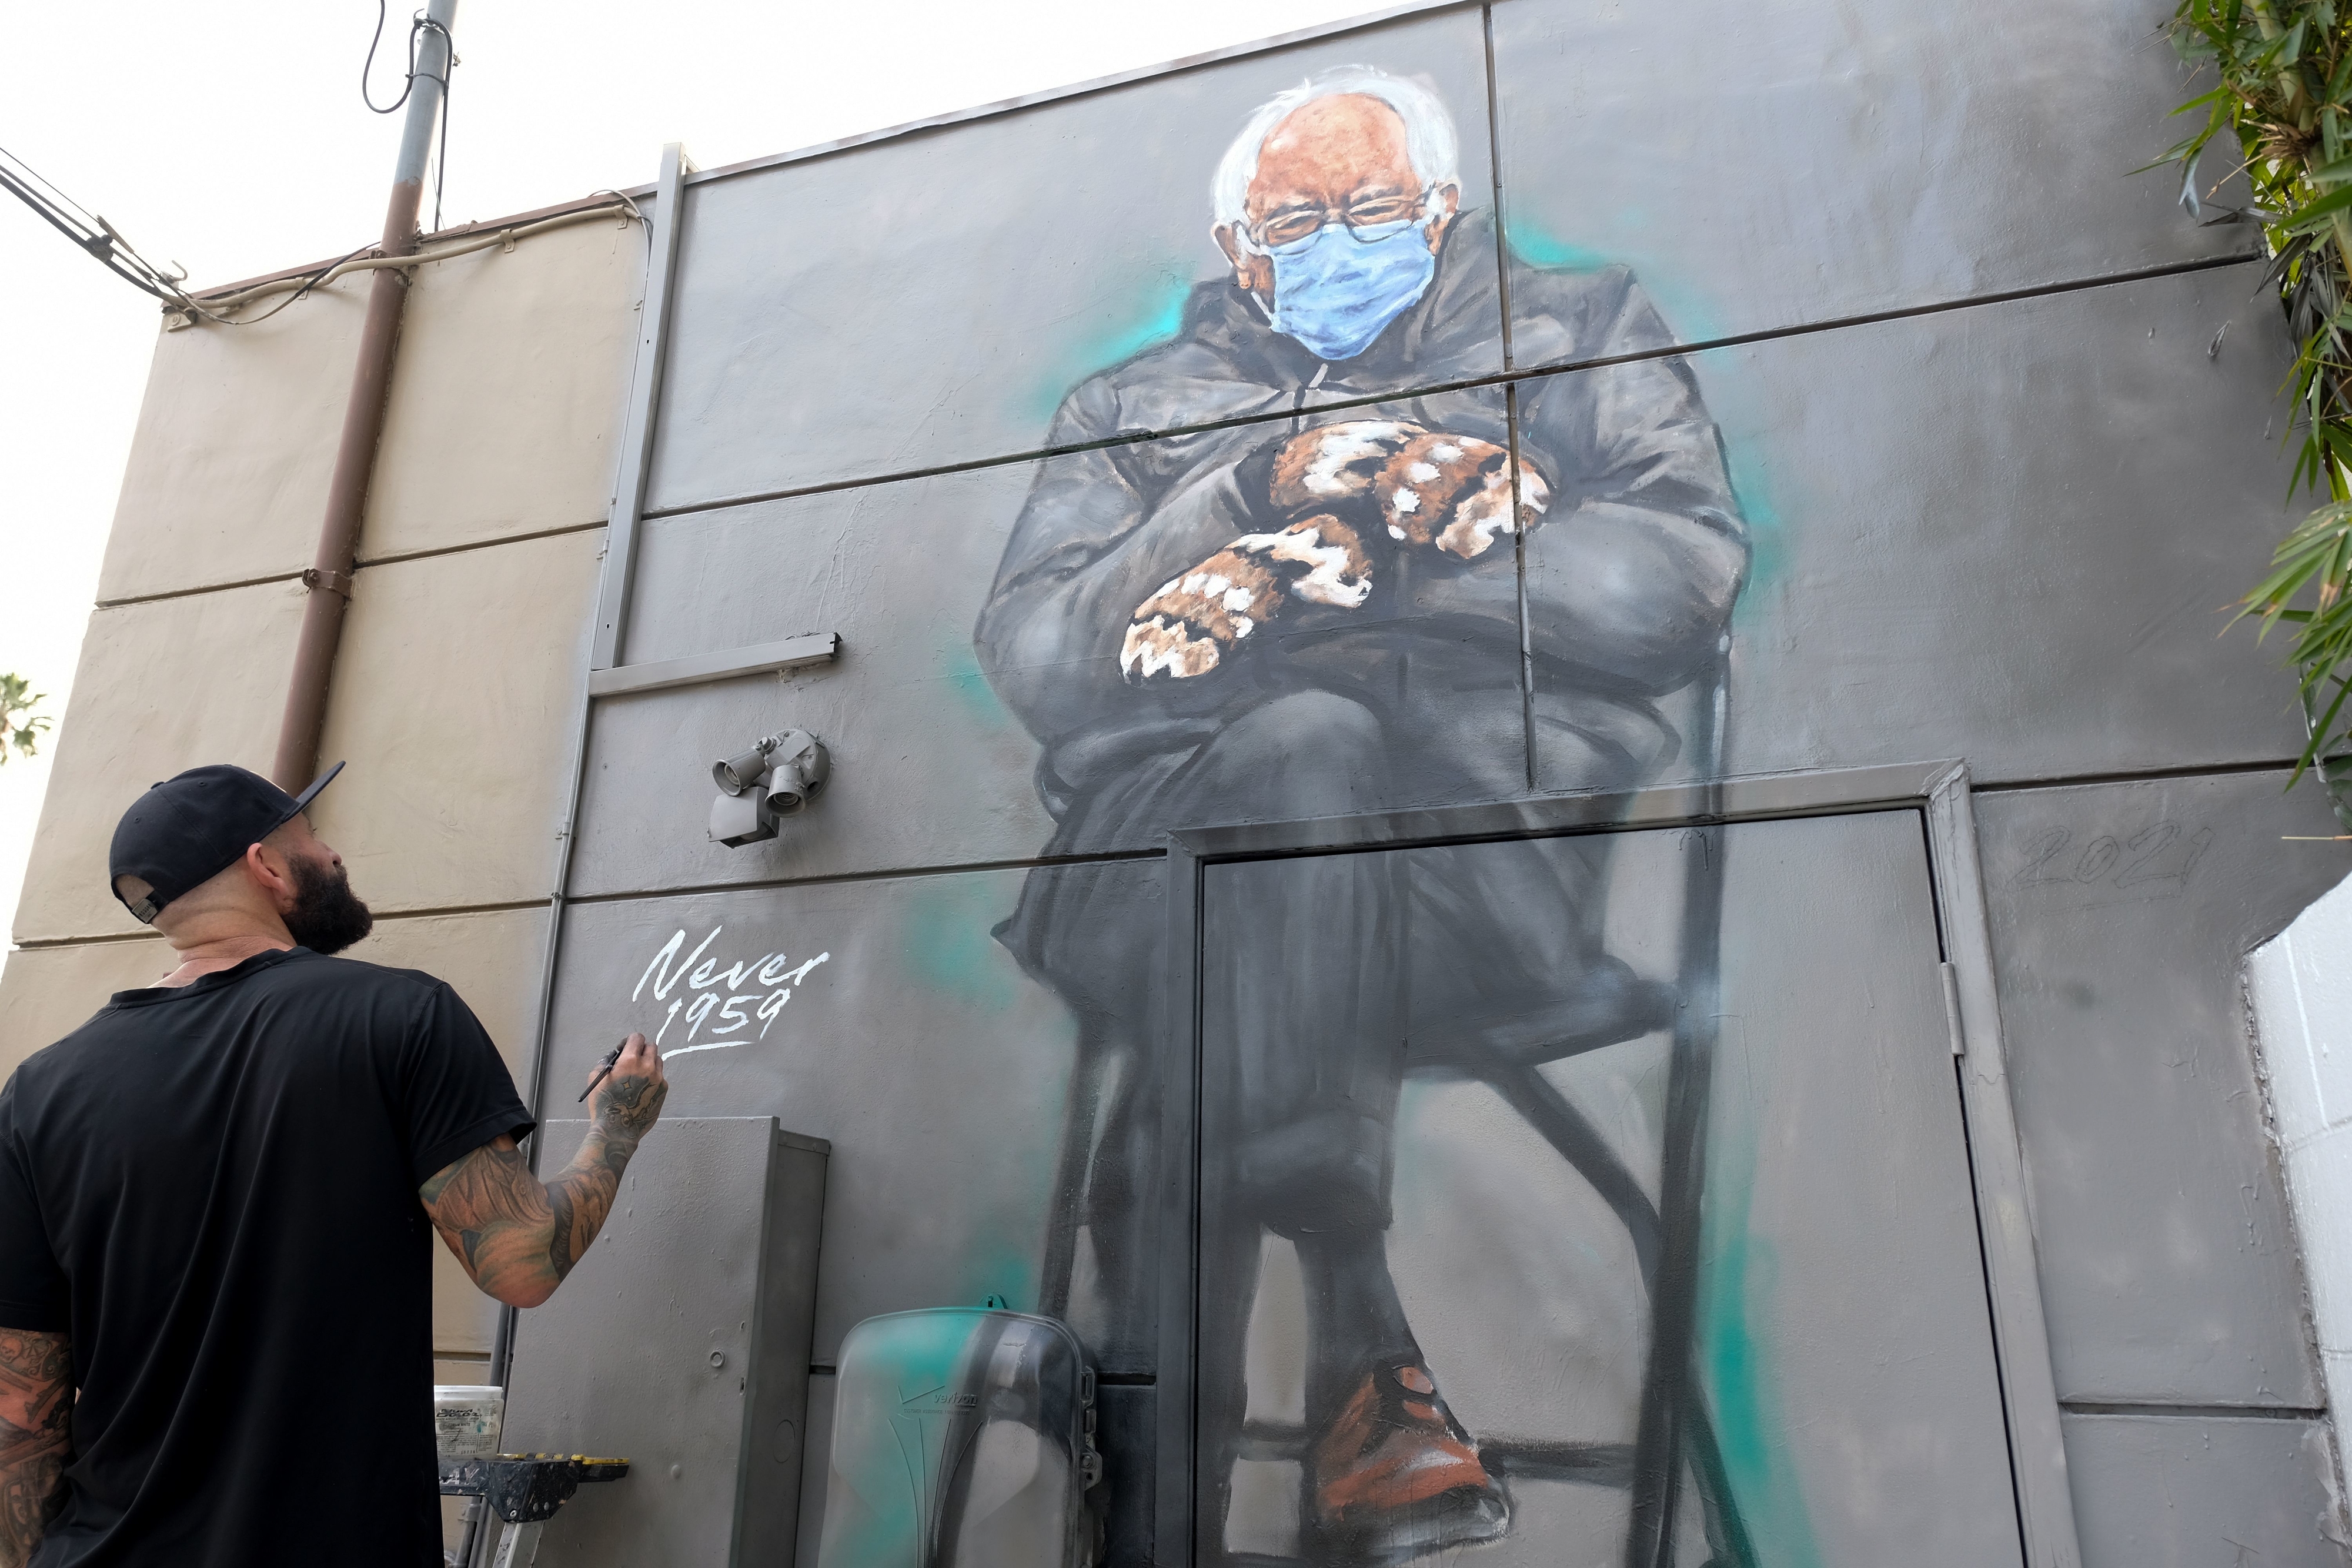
(2281, 99)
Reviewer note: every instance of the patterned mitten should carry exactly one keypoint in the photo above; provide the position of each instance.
(1185, 628)
(1453, 493)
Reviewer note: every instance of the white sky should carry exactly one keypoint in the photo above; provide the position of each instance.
(230, 137)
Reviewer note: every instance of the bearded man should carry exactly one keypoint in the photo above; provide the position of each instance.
(215, 1301)
(1294, 614)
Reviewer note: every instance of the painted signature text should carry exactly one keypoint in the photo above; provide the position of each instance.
(729, 998)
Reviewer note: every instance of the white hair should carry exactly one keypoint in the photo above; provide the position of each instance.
(1429, 139)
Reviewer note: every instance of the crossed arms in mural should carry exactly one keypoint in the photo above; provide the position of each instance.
(1148, 555)
(1353, 494)
(517, 1236)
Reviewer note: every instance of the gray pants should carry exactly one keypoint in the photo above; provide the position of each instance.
(1324, 976)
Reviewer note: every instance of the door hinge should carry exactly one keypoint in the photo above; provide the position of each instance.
(1952, 1010)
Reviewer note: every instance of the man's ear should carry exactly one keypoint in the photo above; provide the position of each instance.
(1447, 201)
(273, 874)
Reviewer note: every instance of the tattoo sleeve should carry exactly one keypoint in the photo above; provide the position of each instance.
(518, 1236)
(35, 1438)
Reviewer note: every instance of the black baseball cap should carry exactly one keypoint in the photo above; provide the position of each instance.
(188, 830)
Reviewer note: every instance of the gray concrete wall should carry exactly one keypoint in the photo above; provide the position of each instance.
(1995, 421)
(1996, 478)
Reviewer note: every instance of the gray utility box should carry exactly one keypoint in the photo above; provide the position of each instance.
(681, 1344)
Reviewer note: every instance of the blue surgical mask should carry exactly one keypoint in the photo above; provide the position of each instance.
(1334, 292)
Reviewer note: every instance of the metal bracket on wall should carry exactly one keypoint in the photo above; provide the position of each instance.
(634, 459)
(636, 455)
(762, 658)
(2046, 1501)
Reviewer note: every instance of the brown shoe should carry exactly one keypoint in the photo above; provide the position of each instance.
(1395, 1477)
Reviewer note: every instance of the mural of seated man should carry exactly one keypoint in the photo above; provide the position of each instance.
(1309, 614)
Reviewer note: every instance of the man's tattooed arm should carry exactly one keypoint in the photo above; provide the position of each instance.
(518, 1236)
(35, 1436)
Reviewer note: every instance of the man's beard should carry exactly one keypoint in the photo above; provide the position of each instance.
(326, 917)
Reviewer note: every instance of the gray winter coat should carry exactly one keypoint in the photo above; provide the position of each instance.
(1628, 577)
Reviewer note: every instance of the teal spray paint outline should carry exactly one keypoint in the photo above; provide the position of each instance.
(1161, 319)
(946, 945)
(1738, 1278)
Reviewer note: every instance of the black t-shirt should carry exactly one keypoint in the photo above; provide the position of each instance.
(213, 1191)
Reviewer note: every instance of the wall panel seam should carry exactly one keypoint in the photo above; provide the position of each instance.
(557, 532)
(364, 565)
(886, 874)
(294, 576)
(1109, 857)
(2161, 1410)
(103, 938)
(2144, 776)
(652, 513)
(396, 559)
(434, 912)
(952, 868)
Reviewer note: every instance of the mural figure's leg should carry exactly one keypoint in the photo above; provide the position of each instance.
(1352, 1307)
(1230, 1255)
(1306, 959)
(1099, 1185)
(1117, 1185)
(1071, 1183)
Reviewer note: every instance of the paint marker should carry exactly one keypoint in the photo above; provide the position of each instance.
(603, 1071)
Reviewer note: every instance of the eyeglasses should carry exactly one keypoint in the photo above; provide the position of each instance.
(1373, 218)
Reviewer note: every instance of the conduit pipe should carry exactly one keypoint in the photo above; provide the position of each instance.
(328, 579)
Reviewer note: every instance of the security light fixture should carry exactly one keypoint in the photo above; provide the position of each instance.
(776, 778)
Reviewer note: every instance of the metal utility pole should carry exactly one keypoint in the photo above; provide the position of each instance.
(329, 576)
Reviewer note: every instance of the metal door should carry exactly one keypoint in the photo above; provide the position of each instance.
(1525, 1220)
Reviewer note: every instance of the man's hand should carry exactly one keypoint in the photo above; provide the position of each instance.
(1185, 629)
(630, 1100)
(517, 1237)
(35, 1433)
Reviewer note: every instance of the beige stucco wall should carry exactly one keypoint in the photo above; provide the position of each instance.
(459, 681)
(512, 374)
(228, 469)
(457, 697)
(164, 684)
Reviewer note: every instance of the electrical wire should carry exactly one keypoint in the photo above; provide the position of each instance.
(92, 233)
(620, 206)
(418, 26)
(441, 156)
(95, 235)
